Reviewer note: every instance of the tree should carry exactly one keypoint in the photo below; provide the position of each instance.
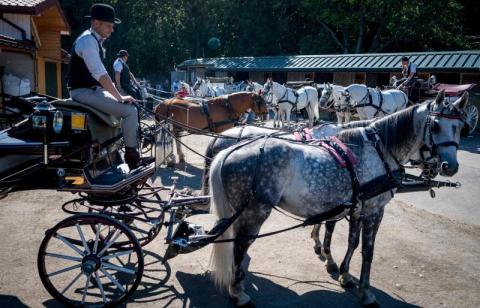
(357, 26)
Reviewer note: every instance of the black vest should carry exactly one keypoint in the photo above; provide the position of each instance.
(125, 75)
(79, 76)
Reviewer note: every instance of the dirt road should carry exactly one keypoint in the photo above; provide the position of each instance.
(421, 259)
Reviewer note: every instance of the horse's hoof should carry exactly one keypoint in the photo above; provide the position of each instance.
(348, 285)
(332, 268)
(372, 305)
(346, 281)
(249, 304)
(318, 250)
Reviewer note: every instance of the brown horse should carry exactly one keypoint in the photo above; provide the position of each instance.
(215, 115)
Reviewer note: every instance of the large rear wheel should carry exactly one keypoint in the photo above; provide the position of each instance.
(472, 117)
(84, 266)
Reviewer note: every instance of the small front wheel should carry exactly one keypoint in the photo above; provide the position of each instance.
(79, 267)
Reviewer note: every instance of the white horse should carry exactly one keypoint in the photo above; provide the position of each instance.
(287, 99)
(204, 88)
(190, 90)
(331, 98)
(372, 103)
(431, 81)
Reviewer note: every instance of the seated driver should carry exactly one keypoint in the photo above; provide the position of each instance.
(409, 73)
(90, 84)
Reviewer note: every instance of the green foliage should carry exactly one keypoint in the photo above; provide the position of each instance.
(160, 34)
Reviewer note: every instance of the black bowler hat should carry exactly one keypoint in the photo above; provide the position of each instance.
(103, 12)
(122, 53)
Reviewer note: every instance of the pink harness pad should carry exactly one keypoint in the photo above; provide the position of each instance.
(297, 136)
(331, 150)
(307, 132)
(346, 149)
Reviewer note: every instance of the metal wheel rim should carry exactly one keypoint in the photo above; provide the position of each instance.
(100, 277)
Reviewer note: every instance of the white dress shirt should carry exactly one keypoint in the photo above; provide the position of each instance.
(86, 47)
(117, 65)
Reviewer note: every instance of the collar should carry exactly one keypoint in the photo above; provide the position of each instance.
(97, 36)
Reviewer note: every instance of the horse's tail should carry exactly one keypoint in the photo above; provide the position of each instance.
(221, 260)
(206, 170)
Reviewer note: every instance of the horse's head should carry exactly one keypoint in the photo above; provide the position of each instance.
(259, 105)
(345, 99)
(326, 95)
(444, 127)
(432, 80)
(393, 80)
(197, 84)
(268, 87)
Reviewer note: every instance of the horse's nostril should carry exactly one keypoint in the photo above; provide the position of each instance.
(444, 166)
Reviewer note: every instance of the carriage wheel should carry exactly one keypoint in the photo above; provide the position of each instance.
(78, 268)
(144, 231)
(472, 117)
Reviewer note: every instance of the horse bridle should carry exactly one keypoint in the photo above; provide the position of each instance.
(430, 127)
(329, 99)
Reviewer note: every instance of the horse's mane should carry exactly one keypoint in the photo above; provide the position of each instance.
(394, 130)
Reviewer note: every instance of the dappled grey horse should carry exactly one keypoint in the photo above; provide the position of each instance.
(249, 179)
(323, 130)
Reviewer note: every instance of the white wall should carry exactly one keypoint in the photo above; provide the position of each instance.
(23, 21)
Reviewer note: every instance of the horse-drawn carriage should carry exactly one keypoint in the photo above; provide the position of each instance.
(94, 257)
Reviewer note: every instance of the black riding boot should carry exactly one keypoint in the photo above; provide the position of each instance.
(132, 157)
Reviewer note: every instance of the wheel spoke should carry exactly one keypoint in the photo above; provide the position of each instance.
(115, 282)
(58, 236)
(97, 236)
(84, 296)
(99, 283)
(71, 283)
(85, 246)
(117, 254)
(58, 256)
(114, 238)
(117, 268)
(65, 270)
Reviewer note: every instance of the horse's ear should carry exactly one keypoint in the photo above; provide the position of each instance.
(440, 97)
(462, 102)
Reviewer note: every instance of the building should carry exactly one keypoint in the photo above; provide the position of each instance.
(30, 34)
(454, 67)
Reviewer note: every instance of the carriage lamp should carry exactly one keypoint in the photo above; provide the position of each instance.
(57, 123)
(46, 117)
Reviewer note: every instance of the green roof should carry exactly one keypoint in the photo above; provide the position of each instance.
(461, 61)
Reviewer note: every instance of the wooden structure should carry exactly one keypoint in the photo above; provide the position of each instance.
(30, 43)
(455, 67)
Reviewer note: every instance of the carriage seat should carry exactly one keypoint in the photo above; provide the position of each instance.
(108, 119)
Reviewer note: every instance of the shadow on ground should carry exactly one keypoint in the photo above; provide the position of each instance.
(187, 176)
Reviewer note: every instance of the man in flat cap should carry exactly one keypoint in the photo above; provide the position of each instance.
(90, 84)
(124, 79)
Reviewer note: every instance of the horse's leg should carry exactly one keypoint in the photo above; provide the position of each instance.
(369, 232)
(287, 115)
(315, 235)
(181, 155)
(339, 118)
(353, 240)
(330, 264)
(252, 222)
(347, 116)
